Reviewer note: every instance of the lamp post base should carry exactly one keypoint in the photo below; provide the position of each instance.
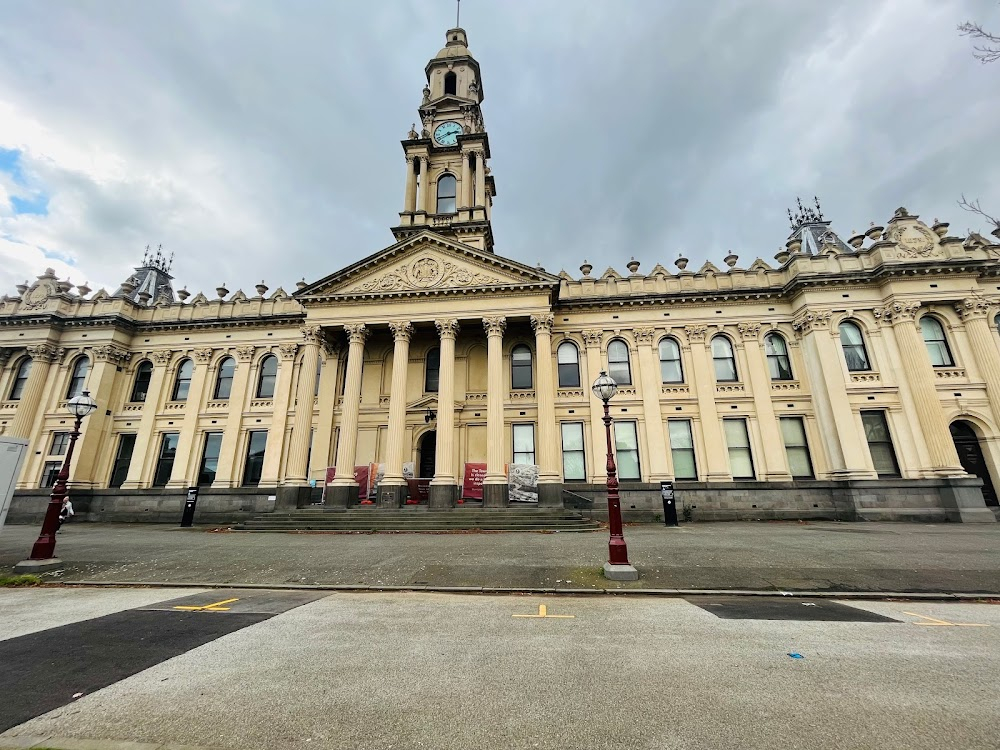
(38, 566)
(620, 572)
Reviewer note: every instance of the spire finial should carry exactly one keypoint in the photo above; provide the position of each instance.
(458, 14)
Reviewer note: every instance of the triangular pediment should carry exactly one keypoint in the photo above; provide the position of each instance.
(427, 263)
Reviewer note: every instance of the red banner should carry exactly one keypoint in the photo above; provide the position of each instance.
(420, 490)
(361, 474)
(472, 483)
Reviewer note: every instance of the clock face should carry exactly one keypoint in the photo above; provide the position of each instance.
(446, 134)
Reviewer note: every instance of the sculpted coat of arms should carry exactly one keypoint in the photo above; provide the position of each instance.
(914, 241)
(426, 272)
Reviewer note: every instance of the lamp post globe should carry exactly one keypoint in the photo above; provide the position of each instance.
(43, 553)
(605, 388)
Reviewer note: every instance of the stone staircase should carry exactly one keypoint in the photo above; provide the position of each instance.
(420, 518)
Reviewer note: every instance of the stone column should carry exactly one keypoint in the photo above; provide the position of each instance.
(322, 452)
(146, 443)
(185, 470)
(444, 489)
(775, 464)
(480, 178)
(295, 490)
(279, 415)
(393, 485)
(495, 492)
(597, 465)
(344, 490)
(975, 314)
(227, 475)
(547, 448)
(410, 197)
(845, 443)
(466, 182)
(26, 415)
(716, 455)
(426, 189)
(651, 380)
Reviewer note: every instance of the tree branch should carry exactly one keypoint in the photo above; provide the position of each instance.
(985, 54)
(975, 208)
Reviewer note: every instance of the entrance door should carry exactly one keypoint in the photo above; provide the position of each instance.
(970, 453)
(428, 455)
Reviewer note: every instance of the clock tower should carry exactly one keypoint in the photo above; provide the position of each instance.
(449, 189)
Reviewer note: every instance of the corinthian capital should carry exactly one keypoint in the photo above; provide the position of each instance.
(356, 332)
(43, 352)
(402, 330)
(312, 334)
(203, 356)
(245, 353)
(447, 328)
(695, 334)
(112, 353)
(542, 322)
(644, 335)
(898, 312)
(162, 356)
(748, 331)
(812, 320)
(592, 337)
(973, 307)
(495, 326)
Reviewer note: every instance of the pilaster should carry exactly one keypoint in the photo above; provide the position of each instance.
(495, 482)
(775, 459)
(185, 471)
(592, 341)
(287, 352)
(443, 490)
(649, 375)
(343, 485)
(140, 469)
(393, 483)
(296, 468)
(228, 471)
(108, 358)
(703, 381)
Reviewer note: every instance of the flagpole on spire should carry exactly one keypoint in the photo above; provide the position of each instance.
(458, 14)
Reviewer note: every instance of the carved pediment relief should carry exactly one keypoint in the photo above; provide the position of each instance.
(426, 270)
(914, 240)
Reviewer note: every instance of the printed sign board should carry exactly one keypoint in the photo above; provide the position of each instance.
(12, 453)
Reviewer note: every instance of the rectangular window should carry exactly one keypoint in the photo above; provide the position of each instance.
(793, 432)
(49, 473)
(682, 449)
(60, 442)
(165, 461)
(210, 458)
(880, 443)
(119, 472)
(738, 443)
(574, 461)
(254, 465)
(627, 450)
(524, 443)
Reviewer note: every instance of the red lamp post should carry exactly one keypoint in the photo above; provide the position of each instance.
(44, 550)
(605, 388)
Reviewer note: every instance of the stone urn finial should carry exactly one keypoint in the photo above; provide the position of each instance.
(183, 294)
(586, 268)
(940, 228)
(731, 259)
(144, 298)
(222, 291)
(857, 239)
(261, 289)
(794, 245)
(782, 255)
(83, 289)
(128, 286)
(681, 261)
(874, 232)
(301, 283)
(64, 286)
(633, 266)
(22, 288)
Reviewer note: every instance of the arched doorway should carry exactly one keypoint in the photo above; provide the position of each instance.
(970, 453)
(427, 455)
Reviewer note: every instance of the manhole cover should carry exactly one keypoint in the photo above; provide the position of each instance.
(783, 608)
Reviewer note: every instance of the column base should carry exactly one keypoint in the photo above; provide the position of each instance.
(620, 572)
(29, 567)
(496, 495)
(292, 497)
(550, 495)
(963, 501)
(442, 496)
(341, 495)
(391, 495)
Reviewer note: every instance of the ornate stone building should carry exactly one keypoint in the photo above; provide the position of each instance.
(847, 379)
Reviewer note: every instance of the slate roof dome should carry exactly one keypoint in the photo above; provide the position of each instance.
(456, 45)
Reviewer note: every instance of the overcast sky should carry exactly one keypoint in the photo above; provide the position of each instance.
(260, 140)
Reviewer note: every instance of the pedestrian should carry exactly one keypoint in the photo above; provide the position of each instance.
(65, 513)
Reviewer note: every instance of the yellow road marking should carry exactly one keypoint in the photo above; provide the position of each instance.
(543, 612)
(216, 607)
(934, 622)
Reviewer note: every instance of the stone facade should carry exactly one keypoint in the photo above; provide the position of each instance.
(856, 379)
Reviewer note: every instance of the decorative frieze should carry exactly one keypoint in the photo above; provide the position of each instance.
(949, 373)
(865, 377)
(730, 388)
(426, 272)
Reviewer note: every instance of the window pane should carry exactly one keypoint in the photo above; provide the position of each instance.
(268, 374)
(682, 449)
(850, 334)
(119, 473)
(680, 433)
(620, 373)
(165, 461)
(856, 357)
(79, 377)
(20, 380)
(628, 465)
(432, 376)
(524, 438)
(793, 432)
(210, 458)
(574, 465)
(254, 464)
(738, 443)
(572, 436)
(684, 465)
(60, 441)
(183, 383)
(140, 389)
(50, 472)
(568, 359)
(224, 382)
(875, 426)
(736, 433)
(625, 436)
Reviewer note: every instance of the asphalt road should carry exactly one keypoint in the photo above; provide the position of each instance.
(437, 671)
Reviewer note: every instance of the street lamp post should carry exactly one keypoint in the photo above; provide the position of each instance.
(43, 553)
(617, 567)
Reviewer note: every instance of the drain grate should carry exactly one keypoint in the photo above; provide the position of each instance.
(783, 608)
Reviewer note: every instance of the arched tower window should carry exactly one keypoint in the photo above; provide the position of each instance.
(520, 367)
(432, 371)
(446, 191)
(450, 83)
(182, 385)
(79, 378)
(619, 367)
(671, 370)
(268, 375)
(568, 359)
(20, 379)
(937, 343)
(140, 387)
(723, 359)
(224, 380)
(853, 344)
(777, 357)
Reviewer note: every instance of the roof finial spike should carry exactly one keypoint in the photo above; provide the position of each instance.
(458, 14)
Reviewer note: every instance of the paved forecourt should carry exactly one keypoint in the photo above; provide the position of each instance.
(432, 670)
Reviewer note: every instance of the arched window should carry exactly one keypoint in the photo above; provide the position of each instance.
(79, 377)
(224, 380)
(450, 83)
(182, 384)
(20, 379)
(671, 370)
(432, 371)
(723, 359)
(937, 344)
(568, 361)
(853, 344)
(446, 194)
(140, 387)
(268, 375)
(520, 367)
(618, 364)
(777, 357)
